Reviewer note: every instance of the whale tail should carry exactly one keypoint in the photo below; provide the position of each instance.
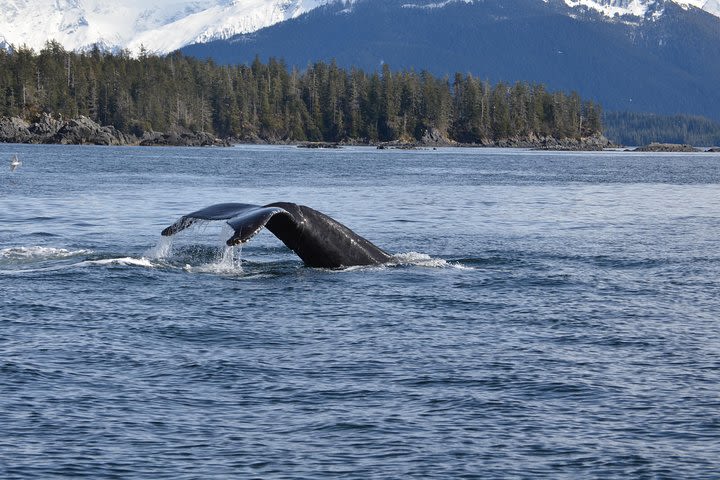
(319, 240)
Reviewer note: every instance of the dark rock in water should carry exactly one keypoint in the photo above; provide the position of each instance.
(397, 145)
(714, 150)
(319, 145)
(667, 147)
(184, 138)
(595, 142)
(435, 138)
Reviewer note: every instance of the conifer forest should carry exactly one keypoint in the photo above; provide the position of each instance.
(272, 102)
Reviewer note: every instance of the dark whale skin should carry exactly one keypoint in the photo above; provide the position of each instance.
(319, 240)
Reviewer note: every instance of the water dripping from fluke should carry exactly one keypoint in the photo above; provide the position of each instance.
(200, 250)
(161, 250)
(228, 262)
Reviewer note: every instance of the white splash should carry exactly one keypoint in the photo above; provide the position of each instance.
(424, 260)
(123, 262)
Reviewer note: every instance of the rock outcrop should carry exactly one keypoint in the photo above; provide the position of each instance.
(432, 137)
(435, 139)
(181, 139)
(46, 129)
(84, 131)
(597, 142)
(591, 143)
(14, 130)
(319, 145)
(667, 147)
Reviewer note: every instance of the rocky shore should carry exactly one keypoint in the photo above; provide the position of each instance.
(84, 131)
(594, 143)
(667, 147)
(182, 139)
(435, 139)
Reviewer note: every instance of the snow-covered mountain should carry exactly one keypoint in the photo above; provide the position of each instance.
(162, 26)
(640, 8)
(159, 26)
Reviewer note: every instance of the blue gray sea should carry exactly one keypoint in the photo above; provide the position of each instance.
(545, 315)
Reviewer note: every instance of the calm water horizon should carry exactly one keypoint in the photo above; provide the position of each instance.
(545, 315)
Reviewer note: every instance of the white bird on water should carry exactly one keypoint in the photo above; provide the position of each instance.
(14, 163)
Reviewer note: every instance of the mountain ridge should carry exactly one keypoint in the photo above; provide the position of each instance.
(162, 26)
(665, 64)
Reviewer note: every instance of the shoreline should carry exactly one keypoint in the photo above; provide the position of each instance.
(84, 131)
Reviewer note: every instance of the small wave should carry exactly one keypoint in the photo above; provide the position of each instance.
(43, 259)
(424, 260)
(39, 253)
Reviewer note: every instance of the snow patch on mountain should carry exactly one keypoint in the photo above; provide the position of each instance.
(221, 21)
(611, 8)
(712, 6)
(639, 8)
(436, 5)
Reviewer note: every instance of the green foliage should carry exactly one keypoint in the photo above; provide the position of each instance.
(269, 101)
(629, 128)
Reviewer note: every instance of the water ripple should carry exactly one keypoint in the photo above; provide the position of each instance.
(560, 322)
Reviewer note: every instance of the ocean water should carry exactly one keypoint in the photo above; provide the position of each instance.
(546, 315)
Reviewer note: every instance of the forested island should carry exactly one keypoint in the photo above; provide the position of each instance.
(135, 99)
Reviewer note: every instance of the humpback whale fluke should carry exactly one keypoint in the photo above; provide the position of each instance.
(320, 241)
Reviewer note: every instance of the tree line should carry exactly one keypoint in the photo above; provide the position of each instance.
(270, 101)
(631, 128)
